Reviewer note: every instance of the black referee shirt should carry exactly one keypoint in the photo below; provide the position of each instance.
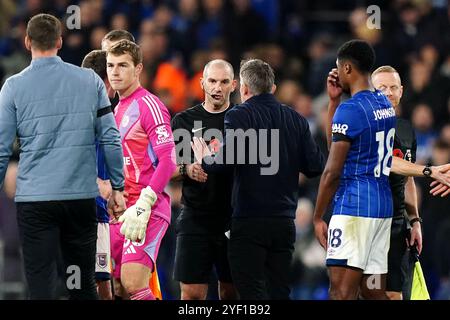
(405, 147)
(213, 196)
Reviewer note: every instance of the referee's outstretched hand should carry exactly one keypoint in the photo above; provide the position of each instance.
(441, 185)
(200, 149)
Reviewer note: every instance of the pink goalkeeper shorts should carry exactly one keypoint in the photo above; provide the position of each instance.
(144, 252)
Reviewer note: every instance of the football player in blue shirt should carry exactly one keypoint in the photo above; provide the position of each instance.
(362, 130)
(357, 175)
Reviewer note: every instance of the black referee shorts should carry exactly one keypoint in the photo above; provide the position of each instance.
(397, 256)
(201, 247)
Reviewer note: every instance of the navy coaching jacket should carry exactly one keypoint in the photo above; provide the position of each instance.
(267, 145)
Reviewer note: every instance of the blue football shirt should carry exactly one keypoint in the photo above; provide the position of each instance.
(367, 120)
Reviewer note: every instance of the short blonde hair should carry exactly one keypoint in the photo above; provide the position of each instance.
(387, 69)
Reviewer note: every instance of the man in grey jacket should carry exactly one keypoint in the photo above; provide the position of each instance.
(57, 110)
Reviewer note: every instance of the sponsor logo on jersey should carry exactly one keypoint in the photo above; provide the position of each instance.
(197, 129)
(339, 128)
(399, 153)
(408, 155)
(130, 245)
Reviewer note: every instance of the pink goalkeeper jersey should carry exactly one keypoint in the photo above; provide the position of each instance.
(148, 147)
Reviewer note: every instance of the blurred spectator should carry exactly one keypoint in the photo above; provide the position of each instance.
(274, 55)
(184, 25)
(410, 32)
(19, 58)
(429, 55)
(445, 68)
(195, 91)
(303, 105)
(269, 10)
(119, 21)
(320, 136)
(243, 28)
(445, 134)
(309, 273)
(171, 77)
(9, 233)
(287, 92)
(77, 41)
(96, 37)
(423, 87)
(321, 60)
(419, 79)
(154, 43)
(422, 121)
(211, 23)
(162, 17)
(374, 36)
(436, 251)
(7, 10)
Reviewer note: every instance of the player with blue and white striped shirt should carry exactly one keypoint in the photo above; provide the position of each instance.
(361, 136)
(357, 175)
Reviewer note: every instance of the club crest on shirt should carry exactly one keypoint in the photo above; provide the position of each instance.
(163, 135)
(125, 121)
(102, 260)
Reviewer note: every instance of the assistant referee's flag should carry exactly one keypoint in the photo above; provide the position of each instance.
(154, 284)
(419, 289)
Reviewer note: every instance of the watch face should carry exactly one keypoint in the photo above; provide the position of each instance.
(427, 171)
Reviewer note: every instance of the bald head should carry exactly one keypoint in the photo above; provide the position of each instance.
(218, 83)
(218, 63)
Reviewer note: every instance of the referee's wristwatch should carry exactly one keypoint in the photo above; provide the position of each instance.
(427, 171)
(414, 220)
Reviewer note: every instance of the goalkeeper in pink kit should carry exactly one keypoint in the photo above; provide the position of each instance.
(149, 162)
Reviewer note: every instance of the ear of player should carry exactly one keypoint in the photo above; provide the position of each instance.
(135, 218)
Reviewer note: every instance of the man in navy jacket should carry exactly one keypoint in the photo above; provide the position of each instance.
(265, 189)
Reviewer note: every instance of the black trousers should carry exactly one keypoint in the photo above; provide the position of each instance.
(260, 254)
(47, 226)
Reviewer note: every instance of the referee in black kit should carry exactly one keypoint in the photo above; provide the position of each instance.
(264, 198)
(200, 227)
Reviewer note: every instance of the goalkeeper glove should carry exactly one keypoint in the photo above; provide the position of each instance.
(136, 217)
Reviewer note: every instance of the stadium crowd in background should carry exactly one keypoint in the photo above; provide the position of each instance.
(299, 40)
